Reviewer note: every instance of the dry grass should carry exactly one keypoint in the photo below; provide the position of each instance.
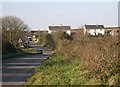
(100, 54)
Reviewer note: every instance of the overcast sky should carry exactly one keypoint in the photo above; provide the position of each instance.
(42, 14)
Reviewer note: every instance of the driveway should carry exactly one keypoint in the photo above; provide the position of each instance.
(16, 71)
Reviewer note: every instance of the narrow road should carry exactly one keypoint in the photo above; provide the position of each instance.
(16, 71)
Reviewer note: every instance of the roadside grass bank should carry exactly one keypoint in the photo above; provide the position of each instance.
(58, 70)
(81, 61)
(23, 52)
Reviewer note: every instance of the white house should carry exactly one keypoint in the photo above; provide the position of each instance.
(94, 30)
(66, 29)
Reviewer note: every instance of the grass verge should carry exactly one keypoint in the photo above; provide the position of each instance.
(58, 70)
(23, 52)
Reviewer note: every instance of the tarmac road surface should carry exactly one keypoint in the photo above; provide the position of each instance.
(16, 71)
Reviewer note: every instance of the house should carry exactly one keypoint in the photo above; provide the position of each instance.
(66, 29)
(36, 32)
(113, 31)
(44, 31)
(94, 30)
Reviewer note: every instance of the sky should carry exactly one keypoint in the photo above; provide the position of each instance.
(39, 15)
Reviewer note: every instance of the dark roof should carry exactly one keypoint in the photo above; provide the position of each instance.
(59, 28)
(94, 26)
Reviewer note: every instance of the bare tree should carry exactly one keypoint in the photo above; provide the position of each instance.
(12, 29)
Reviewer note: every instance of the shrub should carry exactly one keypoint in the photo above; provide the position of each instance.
(99, 54)
(55, 39)
(42, 38)
(7, 47)
(50, 43)
(83, 60)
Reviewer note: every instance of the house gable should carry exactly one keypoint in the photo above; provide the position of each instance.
(93, 29)
(67, 29)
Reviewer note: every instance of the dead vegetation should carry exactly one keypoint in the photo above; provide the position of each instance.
(99, 54)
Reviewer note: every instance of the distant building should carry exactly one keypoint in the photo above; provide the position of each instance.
(44, 31)
(36, 32)
(66, 29)
(113, 31)
(94, 30)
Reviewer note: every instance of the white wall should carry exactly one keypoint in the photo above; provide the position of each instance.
(49, 31)
(91, 31)
(84, 30)
(95, 31)
(68, 32)
(100, 31)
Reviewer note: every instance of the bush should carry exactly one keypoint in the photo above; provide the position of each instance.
(58, 71)
(83, 60)
(99, 54)
(54, 40)
(42, 38)
(50, 43)
(7, 47)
